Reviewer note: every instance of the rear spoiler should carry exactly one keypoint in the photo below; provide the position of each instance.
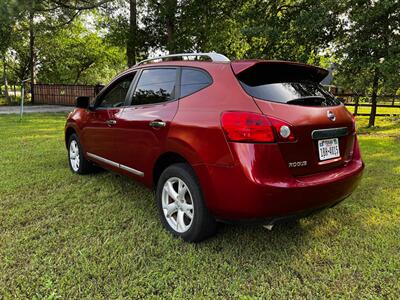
(279, 70)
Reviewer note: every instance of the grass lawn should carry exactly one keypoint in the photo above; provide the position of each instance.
(69, 236)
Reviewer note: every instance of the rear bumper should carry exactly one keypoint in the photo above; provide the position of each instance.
(240, 193)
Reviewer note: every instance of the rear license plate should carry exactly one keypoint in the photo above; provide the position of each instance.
(328, 148)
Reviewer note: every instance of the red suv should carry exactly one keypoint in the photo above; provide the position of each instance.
(220, 140)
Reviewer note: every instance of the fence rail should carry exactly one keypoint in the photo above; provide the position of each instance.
(388, 103)
(369, 105)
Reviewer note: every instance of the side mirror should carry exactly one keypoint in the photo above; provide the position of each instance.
(82, 102)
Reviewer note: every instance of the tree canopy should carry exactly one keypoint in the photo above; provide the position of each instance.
(89, 41)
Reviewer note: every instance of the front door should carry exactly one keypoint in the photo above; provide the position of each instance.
(143, 125)
(98, 134)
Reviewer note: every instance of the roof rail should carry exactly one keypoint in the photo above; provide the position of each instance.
(215, 57)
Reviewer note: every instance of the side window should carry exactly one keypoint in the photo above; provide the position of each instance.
(155, 86)
(116, 96)
(193, 80)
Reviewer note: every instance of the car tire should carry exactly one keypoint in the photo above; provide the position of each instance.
(181, 204)
(77, 161)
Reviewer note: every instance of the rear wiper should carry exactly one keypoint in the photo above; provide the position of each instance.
(308, 101)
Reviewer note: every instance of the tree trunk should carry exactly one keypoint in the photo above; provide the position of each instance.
(32, 49)
(356, 105)
(132, 34)
(171, 6)
(5, 82)
(374, 98)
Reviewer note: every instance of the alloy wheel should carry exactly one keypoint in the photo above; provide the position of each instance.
(74, 155)
(177, 204)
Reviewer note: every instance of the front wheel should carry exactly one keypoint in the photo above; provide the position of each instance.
(77, 162)
(181, 206)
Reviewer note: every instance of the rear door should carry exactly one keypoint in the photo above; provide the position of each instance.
(142, 127)
(323, 127)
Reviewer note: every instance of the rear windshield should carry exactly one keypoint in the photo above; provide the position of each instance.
(284, 85)
(301, 93)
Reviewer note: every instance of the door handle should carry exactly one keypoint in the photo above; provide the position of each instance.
(157, 124)
(111, 122)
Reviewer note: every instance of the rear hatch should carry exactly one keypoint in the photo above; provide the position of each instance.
(323, 127)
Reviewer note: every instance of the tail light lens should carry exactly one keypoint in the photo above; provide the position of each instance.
(285, 131)
(253, 127)
(247, 127)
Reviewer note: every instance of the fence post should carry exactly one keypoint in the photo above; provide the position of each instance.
(22, 99)
(356, 105)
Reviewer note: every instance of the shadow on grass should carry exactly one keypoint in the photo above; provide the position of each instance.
(248, 238)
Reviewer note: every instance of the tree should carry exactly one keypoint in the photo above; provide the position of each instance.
(369, 49)
(77, 55)
(131, 46)
(6, 24)
(121, 19)
(47, 14)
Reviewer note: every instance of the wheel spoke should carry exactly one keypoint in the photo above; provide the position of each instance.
(170, 190)
(77, 163)
(181, 186)
(187, 206)
(170, 208)
(189, 214)
(182, 190)
(188, 209)
(180, 223)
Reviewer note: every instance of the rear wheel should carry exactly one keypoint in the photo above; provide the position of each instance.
(77, 162)
(181, 206)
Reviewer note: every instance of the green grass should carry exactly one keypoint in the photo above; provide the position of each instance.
(98, 236)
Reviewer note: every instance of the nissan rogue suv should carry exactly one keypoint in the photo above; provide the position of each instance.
(220, 140)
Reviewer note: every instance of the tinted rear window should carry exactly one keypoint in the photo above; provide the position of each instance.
(155, 86)
(286, 84)
(193, 80)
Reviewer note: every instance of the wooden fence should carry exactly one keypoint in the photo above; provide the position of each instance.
(65, 94)
(62, 94)
(384, 101)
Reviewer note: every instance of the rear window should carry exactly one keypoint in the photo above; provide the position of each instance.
(155, 86)
(193, 80)
(285, 84)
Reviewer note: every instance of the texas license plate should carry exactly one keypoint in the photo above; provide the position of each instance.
(328, 148)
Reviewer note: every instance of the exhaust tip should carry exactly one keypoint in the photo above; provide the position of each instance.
(268, 226)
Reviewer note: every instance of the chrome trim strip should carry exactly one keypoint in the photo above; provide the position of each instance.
(102, 159)
(329, 133)
(114, 164)
(133, 171)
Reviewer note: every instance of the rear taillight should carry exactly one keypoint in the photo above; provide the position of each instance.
(253, 127)
(285, 132)
(247, 127)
